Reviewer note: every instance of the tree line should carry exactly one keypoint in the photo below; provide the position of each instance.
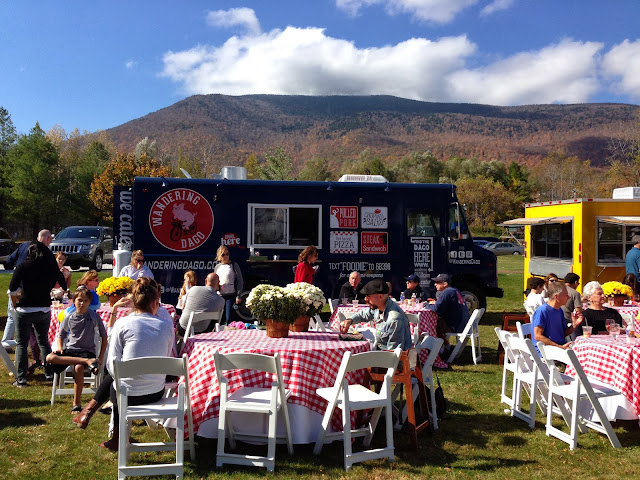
(54, 179)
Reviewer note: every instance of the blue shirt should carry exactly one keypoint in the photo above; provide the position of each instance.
(632, 262)
(552, 322)
(453, 309)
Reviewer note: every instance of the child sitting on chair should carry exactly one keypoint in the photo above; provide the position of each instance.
(80, 327)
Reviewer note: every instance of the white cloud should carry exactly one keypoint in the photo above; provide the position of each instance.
(244, 17)
(129, 64)
(623, 61)
(307, 62)
(562, 73)
(437, 11)
(496, 6)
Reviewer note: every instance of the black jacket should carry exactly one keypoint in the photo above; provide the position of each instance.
(347, 292)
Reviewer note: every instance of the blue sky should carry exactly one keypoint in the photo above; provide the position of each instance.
(95, 64)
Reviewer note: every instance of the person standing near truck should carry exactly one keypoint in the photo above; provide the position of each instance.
(231, 283)
(632, 260)
(305, 270)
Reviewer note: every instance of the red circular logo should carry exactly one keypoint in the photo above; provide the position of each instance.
(181, 219)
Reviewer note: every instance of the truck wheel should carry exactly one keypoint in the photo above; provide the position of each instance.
(474, 297)
(97, 262)
(241, 308)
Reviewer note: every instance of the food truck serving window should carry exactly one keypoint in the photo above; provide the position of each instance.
(553, 240)
(614, 240)
(284, 226)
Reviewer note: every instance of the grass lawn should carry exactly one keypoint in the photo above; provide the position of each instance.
(476, 440)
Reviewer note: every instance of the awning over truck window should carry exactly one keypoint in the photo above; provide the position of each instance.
(621, 220)
(517, 222)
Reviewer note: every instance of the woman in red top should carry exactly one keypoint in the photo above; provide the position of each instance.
(304, 270)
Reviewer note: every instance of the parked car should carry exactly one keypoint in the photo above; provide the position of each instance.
(481, 243)
(506, 248)
(7, 245)
(85, 246)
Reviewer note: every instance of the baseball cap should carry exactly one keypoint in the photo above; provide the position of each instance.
(413, 278)
(375, 286)
(442, 278)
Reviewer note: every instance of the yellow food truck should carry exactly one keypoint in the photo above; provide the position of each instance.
(587, 236)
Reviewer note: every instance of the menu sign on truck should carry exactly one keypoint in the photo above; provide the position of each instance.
(343, 242)
(343, 217)
(374, 242)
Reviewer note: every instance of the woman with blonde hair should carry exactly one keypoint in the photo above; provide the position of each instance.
(90, 281)
(136, 269)
(231, 282)
(190, 280)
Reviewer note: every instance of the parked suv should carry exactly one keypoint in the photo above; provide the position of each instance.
(85, 246)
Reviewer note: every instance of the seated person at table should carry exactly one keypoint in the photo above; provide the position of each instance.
(351, 290)
(596, 315)
(549, 325)
(534, 299)
(201, 299)
(390, 320)
(79, 327)
(451, 308)
(413, 286)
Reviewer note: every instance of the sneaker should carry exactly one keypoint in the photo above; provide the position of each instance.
(19, 384)
(48, 376)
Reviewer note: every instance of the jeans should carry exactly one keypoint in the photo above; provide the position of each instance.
(24, 321)
(229, 302)
(10, 327)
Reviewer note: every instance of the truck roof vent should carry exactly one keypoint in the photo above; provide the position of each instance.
(626, 192)
(363, 178)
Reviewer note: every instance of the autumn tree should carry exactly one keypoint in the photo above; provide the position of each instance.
(366, 164)
(487, 202)
(121, 170)
(277, 166)
(560, 177)
(252, 166)
(189, 163)
(315, 169)
(418, 167)
(32, 178)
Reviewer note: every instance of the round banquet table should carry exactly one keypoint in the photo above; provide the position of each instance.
(630, 309)
(310, 360)
(104, 312)
(614, 362)
(427, 323)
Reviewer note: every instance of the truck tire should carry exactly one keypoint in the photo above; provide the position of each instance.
(241, 309)
(97, 262)
(474, 296)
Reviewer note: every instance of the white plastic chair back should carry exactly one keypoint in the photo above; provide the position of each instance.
(580, 390)
(508, 366)
(268, 401)
(168, 407)
(470, 332)
(525, 330)
(529, 309)
(316, 324)
(415, 319)
(6, 359)
(433, 344)
(333, 303)
(197, 317)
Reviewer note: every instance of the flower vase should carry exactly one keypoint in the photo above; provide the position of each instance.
(276, 329)
(301, 324)
(113, 298)
(618, 300)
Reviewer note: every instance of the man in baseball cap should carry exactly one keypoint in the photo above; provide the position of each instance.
(389, 318)
(451, 307)
(413, 286)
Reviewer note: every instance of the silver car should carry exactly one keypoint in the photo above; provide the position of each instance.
(85, 246)
(505, 248)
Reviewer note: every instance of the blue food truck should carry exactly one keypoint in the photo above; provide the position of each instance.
(363, 223)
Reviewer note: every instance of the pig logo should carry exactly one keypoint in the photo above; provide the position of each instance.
(181, 219)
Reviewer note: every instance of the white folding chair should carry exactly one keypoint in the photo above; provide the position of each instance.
(357, 397)
(91, 380)
(6, 359)
(508, 366)
(433, 344)
(196, 317)
(470, 332)
(316, 324)
(415, 319)
(525, 330)
(529, 309)
(267, 401)
(166, 408)
(574, 393)
(333, 303)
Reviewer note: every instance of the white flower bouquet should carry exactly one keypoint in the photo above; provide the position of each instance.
(311, 297)
(275, 303)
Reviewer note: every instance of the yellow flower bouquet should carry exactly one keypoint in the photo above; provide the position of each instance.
(616, 288)
(114, 286)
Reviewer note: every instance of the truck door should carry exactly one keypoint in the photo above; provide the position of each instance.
(424, 234)
(458, 235)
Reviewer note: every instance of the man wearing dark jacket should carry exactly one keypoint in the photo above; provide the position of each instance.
(351, 289)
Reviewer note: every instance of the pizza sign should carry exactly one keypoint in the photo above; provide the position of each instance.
(374, 242)
(343, 217)
(181, 219)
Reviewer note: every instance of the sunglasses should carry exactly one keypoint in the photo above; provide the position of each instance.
(224, 255)
(140, 259)
(551, 280)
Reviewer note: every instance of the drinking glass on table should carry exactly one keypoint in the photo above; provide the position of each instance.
(355, 303)
(608, 323)
(614, 330)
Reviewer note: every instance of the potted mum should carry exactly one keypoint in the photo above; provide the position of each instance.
(312, 300)
(619, 291)
(114, 288)
(274, 306)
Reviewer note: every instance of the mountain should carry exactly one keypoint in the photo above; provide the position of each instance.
(224, 130)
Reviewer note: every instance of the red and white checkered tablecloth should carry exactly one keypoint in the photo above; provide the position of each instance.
(104, 312)
(428, 320)
(310, 360)
(632, 310)
(615, 362)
